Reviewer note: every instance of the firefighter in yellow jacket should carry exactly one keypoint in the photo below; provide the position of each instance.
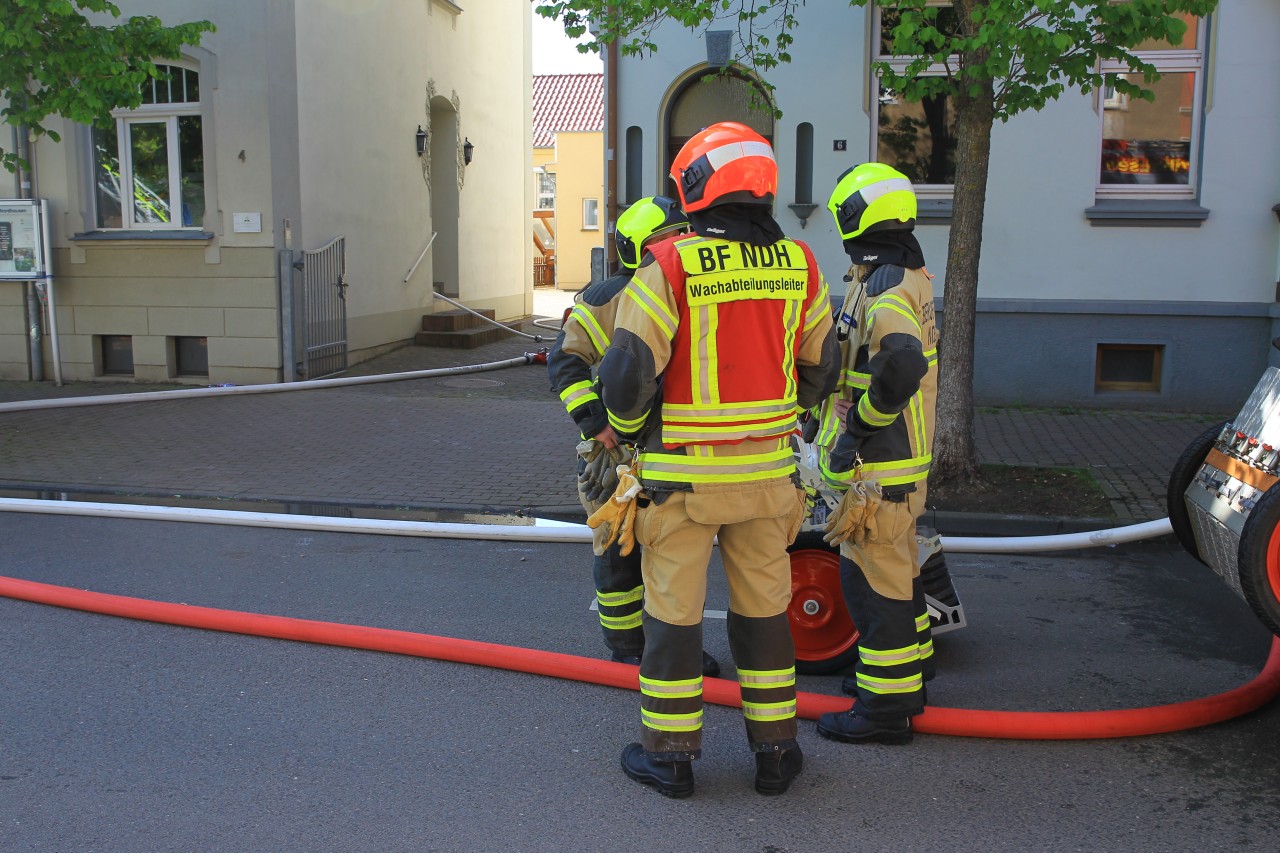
(720, 336)
(878, 428)
(577, 351)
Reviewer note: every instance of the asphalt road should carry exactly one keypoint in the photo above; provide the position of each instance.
(124, 735)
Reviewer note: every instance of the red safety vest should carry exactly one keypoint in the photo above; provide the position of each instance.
(742, 310)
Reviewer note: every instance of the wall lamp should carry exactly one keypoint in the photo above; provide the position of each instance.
(467, 150)
(421, 139)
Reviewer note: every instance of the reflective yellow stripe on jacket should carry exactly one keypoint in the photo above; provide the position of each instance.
(719, 463)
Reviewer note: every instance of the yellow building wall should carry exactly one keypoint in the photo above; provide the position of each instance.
(579, 171)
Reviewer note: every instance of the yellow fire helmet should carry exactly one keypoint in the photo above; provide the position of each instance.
(650, 217)
(872, 197)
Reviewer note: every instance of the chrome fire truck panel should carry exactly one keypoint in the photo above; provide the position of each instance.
(1218, 500)
(1218, 540)
(1258, 417)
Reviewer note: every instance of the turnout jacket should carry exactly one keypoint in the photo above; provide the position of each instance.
(889, 370)
(579, 347)
(741, 337)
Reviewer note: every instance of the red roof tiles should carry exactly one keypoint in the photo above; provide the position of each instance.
(567, 102)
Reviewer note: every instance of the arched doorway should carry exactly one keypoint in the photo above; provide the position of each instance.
(444, 196)
(706, 98)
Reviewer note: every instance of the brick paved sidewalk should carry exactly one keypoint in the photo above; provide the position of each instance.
(487, 441)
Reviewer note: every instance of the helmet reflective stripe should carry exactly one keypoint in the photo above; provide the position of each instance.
(871, 192)
(725, 154)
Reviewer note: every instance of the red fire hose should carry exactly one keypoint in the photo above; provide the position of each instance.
(1017, 725)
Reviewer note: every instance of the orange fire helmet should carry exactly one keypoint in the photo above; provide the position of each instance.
(726, 162)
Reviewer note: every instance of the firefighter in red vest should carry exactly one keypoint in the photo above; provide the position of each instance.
(581, 343)
(721, 337)
(878, 428)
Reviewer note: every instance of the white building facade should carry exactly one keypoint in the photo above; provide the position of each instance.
(1131, 251)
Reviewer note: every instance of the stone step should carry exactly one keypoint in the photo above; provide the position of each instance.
(456, 320)
(462, 338)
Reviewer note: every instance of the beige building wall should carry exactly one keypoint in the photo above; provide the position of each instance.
(13, 331)
(579, 178)
(222, 286)
(310, 113)
(459, 75)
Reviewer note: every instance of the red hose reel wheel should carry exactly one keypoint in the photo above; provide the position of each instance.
(825, 637)
(1259, 559)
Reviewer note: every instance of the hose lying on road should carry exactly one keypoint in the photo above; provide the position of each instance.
(269, 388)
(559, 532)
(1015, 725)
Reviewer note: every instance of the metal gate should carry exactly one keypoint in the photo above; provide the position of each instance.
(324, 310)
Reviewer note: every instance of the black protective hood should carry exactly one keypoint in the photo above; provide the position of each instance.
(748, 223)
(878, 248)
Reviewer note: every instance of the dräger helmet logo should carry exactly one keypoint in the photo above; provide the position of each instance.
(716, 230)
(869, 257)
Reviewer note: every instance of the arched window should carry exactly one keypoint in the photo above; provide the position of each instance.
(149, 169)
(715, 95)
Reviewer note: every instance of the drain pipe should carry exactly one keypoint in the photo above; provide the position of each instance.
(35, 325)
(48, 293)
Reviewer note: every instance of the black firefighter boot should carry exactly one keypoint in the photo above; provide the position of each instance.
(848, 727)
(671, 778)
(777, 767)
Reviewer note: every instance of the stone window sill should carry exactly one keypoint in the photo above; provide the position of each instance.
(138, 237)
(1146, 213)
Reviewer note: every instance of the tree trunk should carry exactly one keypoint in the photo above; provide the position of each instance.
(955, 454)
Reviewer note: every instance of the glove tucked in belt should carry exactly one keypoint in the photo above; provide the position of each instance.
(619, 511)
(855, 516)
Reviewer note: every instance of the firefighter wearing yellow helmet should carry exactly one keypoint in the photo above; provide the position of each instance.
(877, 429)
(579, 347)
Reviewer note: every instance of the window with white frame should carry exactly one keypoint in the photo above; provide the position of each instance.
(149, 169)
(546, 190)
(1149, 147)
(916, 138)
(591, 214)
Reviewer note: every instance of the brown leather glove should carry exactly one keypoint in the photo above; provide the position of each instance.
(619, 511)
(855, 517)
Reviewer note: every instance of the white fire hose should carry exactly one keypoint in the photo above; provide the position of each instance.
(539, 531)
(268, 388)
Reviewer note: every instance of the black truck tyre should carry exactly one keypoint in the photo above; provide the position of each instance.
(825, 637)
(1184, 471)
(1259, 559)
